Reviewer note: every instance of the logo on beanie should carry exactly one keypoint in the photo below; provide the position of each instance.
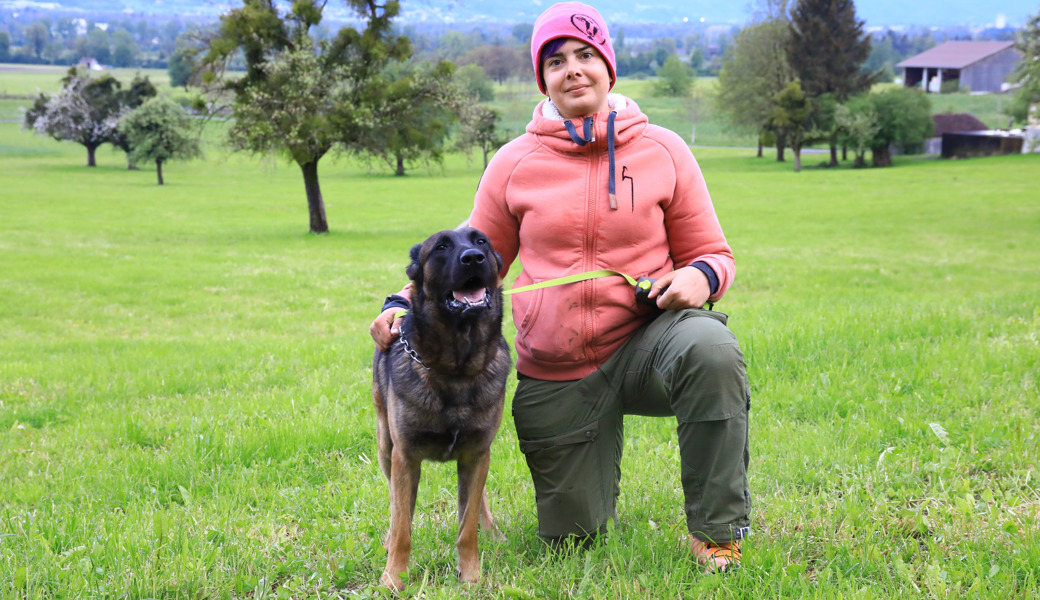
(589, 28)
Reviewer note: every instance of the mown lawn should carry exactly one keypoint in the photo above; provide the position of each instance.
(184, 386)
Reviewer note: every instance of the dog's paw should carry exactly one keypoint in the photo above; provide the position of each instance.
(391, 581)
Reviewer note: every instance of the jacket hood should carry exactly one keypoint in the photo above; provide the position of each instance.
(548, 125)
(604, 130)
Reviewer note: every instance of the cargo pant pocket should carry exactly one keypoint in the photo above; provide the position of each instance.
(571, 481)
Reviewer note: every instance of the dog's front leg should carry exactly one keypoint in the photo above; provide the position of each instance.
(404, 486)
(473, 471)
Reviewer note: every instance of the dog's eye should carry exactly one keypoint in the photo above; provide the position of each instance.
(441, 247)
(481, 242)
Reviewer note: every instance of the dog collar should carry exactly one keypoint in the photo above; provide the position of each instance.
(412, 353)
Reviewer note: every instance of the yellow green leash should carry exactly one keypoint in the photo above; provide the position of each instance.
(642, 285)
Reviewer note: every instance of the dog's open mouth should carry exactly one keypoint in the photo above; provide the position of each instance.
(469, 297)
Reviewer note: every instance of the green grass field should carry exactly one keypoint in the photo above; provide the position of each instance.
(185, 408)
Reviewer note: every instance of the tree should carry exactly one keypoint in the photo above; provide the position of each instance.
(125, 49)
(5, 46)
(674, 79)
(37, 36)
(827, 49)
(791, 115)
(85, 111)
(857, 126)
(98, 46)
(477, 128)
(418, 108)
(300, 96)
(140, 90)
(475, 83)
(904, 117)
(158, 131)
(1027, 73)
(754, 71)
(499, 62)
(181, 66)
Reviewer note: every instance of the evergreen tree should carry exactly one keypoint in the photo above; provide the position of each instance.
(827, 50)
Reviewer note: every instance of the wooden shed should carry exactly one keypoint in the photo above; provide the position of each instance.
(978, 66)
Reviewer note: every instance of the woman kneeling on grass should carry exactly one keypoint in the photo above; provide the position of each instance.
(592, 185)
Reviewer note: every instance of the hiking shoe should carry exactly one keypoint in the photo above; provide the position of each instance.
(718, 558)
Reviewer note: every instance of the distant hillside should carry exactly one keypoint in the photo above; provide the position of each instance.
(876, 12)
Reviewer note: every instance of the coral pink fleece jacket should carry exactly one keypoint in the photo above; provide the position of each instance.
(544, 198)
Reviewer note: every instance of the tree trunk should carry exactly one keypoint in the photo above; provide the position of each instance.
(90, 155)
(130, 164)
(834, 154)
(881, 156)
(485, 148)
(400, 166)
(315, 203)
(779, 152)
(158, 170)
(797, 158)
(760, 145)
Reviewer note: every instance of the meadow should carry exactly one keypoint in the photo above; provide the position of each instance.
(185, 386)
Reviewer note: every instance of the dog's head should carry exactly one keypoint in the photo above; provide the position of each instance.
(457, 269)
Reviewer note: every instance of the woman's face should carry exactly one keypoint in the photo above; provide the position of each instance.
(577, 79)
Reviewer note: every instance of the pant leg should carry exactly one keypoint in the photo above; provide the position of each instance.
(571, 434)
(688, 364)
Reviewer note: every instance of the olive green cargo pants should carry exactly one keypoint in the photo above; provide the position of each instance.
(685, 364)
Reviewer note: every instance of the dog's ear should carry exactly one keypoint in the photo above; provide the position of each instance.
(414, 270)
(499, 263)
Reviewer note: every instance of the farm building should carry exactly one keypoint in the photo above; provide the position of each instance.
(951, 123)
(977, 66)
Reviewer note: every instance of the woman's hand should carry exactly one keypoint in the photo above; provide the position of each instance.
(688, 287)
(387, 327)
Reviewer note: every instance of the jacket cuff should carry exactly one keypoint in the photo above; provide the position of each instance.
(395, 301)
(713, 279)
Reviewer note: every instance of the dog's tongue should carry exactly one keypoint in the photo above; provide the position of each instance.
(470, 296)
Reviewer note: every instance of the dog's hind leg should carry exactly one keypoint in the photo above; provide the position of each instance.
(473, 471)
(404, 486)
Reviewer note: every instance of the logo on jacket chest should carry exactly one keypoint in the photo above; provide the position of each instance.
(630, 188)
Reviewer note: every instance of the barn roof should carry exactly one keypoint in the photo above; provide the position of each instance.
(955, 55)
(957, 122)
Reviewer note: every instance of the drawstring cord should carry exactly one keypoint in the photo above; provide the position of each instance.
(587, 137)
(610, 156)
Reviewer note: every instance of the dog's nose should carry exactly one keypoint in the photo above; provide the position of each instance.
(472, 256)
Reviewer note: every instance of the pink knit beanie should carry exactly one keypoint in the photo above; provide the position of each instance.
(573, 20)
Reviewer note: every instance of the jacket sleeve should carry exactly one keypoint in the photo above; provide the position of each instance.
(491, 212)
(694, 232)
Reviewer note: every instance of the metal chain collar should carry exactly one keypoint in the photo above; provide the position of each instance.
(411, 352)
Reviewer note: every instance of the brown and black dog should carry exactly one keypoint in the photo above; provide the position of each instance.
(440, 390)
